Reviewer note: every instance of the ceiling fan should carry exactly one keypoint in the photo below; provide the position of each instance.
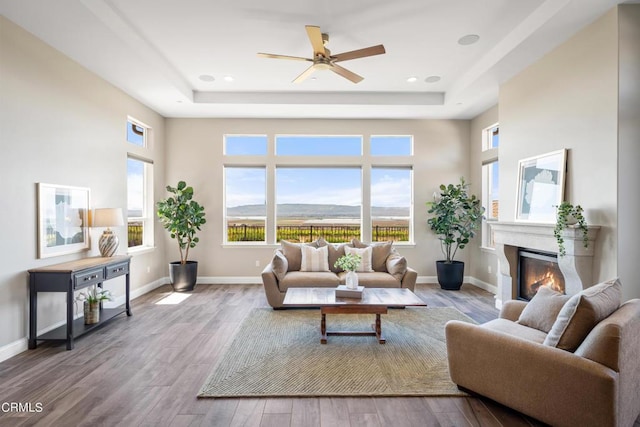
(324, 60)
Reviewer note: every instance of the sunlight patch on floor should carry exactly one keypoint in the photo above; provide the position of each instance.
(173, 298)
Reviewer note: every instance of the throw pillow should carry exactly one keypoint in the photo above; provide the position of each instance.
(314, 259)
(293, 253)
(279, 265)
(541, 312)
(381, 251)
(396, 265)
(582, 313)
(335, 252)
(365, 253)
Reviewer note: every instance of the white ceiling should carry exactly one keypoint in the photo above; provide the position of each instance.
(155, 50)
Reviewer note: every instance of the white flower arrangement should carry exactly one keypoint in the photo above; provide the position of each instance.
(95, 294)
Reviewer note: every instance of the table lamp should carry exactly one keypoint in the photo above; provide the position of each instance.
(108, 217)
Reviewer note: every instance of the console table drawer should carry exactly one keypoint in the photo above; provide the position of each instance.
(117, 270)
(87, 278)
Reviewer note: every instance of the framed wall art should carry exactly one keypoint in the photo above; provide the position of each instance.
(63, 220)
(540, 186)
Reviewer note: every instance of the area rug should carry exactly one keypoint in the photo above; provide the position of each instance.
(278, 354)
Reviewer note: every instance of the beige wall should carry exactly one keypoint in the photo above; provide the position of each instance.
(194, 154)
(569, 99)
(60, 124)
(629, 150)
(483, 264)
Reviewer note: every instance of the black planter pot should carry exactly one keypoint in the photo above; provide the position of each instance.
(450, 275)
(183, 276)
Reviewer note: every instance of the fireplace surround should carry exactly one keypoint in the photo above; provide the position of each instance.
(576, 266)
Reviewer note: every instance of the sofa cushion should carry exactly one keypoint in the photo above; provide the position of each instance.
(279, 265)
(303, 279)
(335, 252)
(582, 313)
(541, 312)
(380, 252)
(515, 329)
(396, 265)
(373, 280)
(365, 254)
(314, 259)
(293, 253)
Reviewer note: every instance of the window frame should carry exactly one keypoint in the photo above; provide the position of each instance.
(490, 156)
(148, 208)
(365, 161)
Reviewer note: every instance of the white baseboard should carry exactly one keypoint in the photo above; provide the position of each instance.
(17, 347)
(482, 285)
(426, 279)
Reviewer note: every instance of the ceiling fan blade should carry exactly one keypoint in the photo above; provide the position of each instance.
(274, 56)
(360, 53)
(315, 37)
(349, 75)
(306, 73)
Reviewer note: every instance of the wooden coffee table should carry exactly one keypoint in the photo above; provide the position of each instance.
(374, 301)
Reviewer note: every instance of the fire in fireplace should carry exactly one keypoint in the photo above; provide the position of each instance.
(537, 269)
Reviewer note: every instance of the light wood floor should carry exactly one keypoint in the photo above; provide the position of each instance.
(146, 370)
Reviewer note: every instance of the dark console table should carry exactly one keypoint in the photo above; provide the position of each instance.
(70, 277)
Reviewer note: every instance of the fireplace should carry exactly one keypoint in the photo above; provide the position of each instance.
(535, 269)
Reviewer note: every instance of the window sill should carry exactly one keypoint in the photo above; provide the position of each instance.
(141, 250)
(250, 245)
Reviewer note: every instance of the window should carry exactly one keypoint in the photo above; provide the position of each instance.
(136, 133)
(490, 182)
(245, 204)
(297, 145)
(391, 145)
(245, 145)
(318, 202)
(304, 187)
(140, 208)
(391, 196)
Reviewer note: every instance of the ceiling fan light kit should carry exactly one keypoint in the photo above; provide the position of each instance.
(324, 60)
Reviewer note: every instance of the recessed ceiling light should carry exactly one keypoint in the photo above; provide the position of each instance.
(468, 39)
(179, 102)
(412, 79)
(432, 79)
(206, 78)
(228, 78)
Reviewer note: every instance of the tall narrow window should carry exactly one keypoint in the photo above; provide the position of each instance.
(490, 182)
(245, 204)
(318, 202)
(139, 203)
(391, 204)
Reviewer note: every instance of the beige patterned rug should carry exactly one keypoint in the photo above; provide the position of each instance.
(278, 354)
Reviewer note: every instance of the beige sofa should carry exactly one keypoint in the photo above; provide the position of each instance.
(284, 271)
(585, 371)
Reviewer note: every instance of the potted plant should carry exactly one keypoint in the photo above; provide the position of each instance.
(349, 263)
(182, 217)
(91, 300)
(568, 215)
(456, 216)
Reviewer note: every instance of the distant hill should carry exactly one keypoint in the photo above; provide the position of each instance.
(294, 210)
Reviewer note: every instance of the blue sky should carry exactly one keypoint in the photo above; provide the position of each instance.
(330, 185)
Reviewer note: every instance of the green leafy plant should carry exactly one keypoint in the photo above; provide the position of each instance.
(348, 262)
(566, 215)
(456, 216)
(182, 217)
(94, 294)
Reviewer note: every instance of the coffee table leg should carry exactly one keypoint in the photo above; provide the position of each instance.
(378, 329)
(323, 329)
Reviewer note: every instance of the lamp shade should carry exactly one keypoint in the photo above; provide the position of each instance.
(108, 217)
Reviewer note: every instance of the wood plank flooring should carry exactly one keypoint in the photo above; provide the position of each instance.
(146, 370)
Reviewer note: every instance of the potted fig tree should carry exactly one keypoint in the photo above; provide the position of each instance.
(456, 217)
(182, 217)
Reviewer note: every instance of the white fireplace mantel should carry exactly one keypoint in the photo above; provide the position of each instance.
(576, 266)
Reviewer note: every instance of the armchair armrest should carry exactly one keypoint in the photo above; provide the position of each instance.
(512, 309)
(552, 385)
(409, 279)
